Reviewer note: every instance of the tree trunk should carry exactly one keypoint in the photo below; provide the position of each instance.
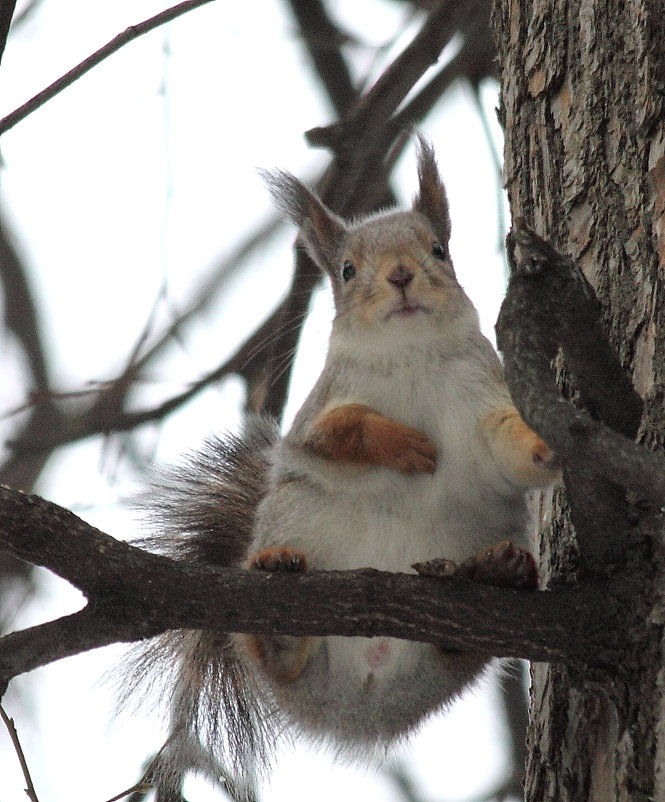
(583, 106)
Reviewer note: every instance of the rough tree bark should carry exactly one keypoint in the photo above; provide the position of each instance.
(583, 107)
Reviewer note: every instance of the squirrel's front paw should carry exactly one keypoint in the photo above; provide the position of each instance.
(359, 435)
(523, 455)
(404, 449)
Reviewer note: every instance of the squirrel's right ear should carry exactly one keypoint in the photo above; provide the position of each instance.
(431, 200)
(321, 230)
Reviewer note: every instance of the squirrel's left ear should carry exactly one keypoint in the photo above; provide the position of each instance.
(431, 200)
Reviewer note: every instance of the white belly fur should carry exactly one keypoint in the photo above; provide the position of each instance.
(344, 518)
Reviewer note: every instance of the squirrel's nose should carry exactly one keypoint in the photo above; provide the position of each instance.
(400, 277)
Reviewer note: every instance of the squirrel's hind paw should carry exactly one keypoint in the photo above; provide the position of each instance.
(503, 565)
(282, 657)
(281, 558)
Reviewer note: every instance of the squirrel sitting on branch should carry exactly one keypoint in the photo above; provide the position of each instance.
(408, 454)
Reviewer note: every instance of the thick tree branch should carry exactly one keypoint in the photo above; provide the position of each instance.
(528, 334)
(550, 304)
(134, 594)
(604, 387)
(128, 35)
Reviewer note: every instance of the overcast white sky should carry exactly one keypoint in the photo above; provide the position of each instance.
(138, 178)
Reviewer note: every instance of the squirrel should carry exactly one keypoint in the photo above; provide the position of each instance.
(407, 455)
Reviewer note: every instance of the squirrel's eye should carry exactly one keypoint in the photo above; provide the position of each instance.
(438, 250)
(348, 270)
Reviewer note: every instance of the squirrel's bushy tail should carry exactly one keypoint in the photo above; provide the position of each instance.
(203, 512)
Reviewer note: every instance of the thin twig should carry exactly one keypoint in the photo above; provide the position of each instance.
(244, 362)
(128, 35)
(141, 787)
(11, 729)
(49, 426)
(221, 274)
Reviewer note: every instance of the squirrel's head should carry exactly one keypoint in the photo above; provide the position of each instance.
(393, 267)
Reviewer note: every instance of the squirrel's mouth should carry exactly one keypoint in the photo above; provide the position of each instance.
(406, 309)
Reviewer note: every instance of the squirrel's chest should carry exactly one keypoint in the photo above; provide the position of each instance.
(436, 401)
(346, 517)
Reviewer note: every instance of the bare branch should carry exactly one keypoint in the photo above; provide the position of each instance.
(131, 597)
(424, 100)
(306, 276)
(221, 273)
(323, 41)
(389, 91)
(11, 729)
(248, 361)
(49, 426)
(128, 35)
(20, 310)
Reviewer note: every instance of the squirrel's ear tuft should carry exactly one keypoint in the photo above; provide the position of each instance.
(431, 200)
(321, 230)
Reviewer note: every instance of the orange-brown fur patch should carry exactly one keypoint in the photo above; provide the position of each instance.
(358, 434)
(282, 662)
(279, 558)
